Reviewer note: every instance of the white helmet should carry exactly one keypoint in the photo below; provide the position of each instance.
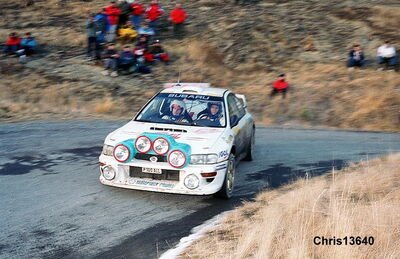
(179, 103)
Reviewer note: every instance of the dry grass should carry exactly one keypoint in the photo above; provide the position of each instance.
(362, 200)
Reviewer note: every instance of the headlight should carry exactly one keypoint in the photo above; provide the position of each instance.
(121, 153)
(176, 158)
(203, 159)
(108, 173)
(191, 181)
(143, 144)
(160, 146)
(108, 150)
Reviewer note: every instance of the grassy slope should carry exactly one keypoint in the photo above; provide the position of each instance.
(362, 200)
(240, 47)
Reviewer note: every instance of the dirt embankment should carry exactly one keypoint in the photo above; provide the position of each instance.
(242, 47)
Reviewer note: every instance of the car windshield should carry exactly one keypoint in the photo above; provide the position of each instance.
(185, 109)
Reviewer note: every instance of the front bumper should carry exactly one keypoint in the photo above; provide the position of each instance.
(123, 177)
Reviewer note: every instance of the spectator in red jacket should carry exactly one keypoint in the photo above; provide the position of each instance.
(113, 12)
(178, 17)
(137, 14)
(12, 44)
(153, 14)
(280, 86)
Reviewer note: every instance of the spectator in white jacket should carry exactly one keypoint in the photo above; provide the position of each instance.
(387, 55)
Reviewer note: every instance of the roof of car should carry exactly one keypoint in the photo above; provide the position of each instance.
(193, 88)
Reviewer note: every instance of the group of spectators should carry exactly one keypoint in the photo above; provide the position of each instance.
(21, 47)
(386, 55)
(123, 35)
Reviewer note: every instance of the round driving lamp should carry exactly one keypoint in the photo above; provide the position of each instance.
(121, 153)
(177, 159)
(143, 144)
(160, 146)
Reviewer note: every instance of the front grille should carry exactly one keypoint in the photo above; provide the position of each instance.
(147, 157)
(171, 175)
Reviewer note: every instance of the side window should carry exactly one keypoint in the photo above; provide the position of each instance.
(240, 106)
(232, 106)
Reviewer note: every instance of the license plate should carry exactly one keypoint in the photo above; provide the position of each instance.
(151, 170)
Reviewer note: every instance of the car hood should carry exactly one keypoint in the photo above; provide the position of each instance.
(201, 139)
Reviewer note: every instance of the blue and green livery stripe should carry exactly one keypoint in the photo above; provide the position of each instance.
(173, 145)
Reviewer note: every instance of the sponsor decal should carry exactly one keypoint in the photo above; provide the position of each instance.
(189, 96)
(147, 183)
(223, 154)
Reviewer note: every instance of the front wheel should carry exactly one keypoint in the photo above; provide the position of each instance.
(229, 182)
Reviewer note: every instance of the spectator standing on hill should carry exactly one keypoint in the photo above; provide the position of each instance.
(13, 44)
(125, 8)
(280, 86)
(93, 46)
(110, 57)
(153, 14)
(29, 44)
(113, 13)
(178, 17)
(137, 14)
(101, 25)
(387, 55)
(356, 57)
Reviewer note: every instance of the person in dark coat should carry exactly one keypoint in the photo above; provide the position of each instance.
(356, 57)
(110, 57)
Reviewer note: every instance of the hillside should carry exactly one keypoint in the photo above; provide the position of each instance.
(242, 47)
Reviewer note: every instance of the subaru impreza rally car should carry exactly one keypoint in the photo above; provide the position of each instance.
(187, 139)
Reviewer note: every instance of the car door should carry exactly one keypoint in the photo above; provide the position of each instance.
(237, 123)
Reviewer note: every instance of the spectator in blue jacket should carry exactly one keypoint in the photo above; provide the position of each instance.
(29, 44)
(101, 25)
(356, 57)
(146, 31)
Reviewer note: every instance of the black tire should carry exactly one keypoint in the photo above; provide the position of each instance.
(229, 183)
(250, 147)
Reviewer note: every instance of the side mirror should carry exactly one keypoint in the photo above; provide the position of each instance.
(234, 120)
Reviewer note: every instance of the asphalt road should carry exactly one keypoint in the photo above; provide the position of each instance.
(53, 206)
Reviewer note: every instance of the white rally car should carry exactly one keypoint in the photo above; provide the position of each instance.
(186, 139)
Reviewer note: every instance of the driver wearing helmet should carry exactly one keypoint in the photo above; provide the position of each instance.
(212, 113)
(177, 110)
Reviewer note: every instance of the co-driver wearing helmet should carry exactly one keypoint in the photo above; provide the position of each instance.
(213, 114)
